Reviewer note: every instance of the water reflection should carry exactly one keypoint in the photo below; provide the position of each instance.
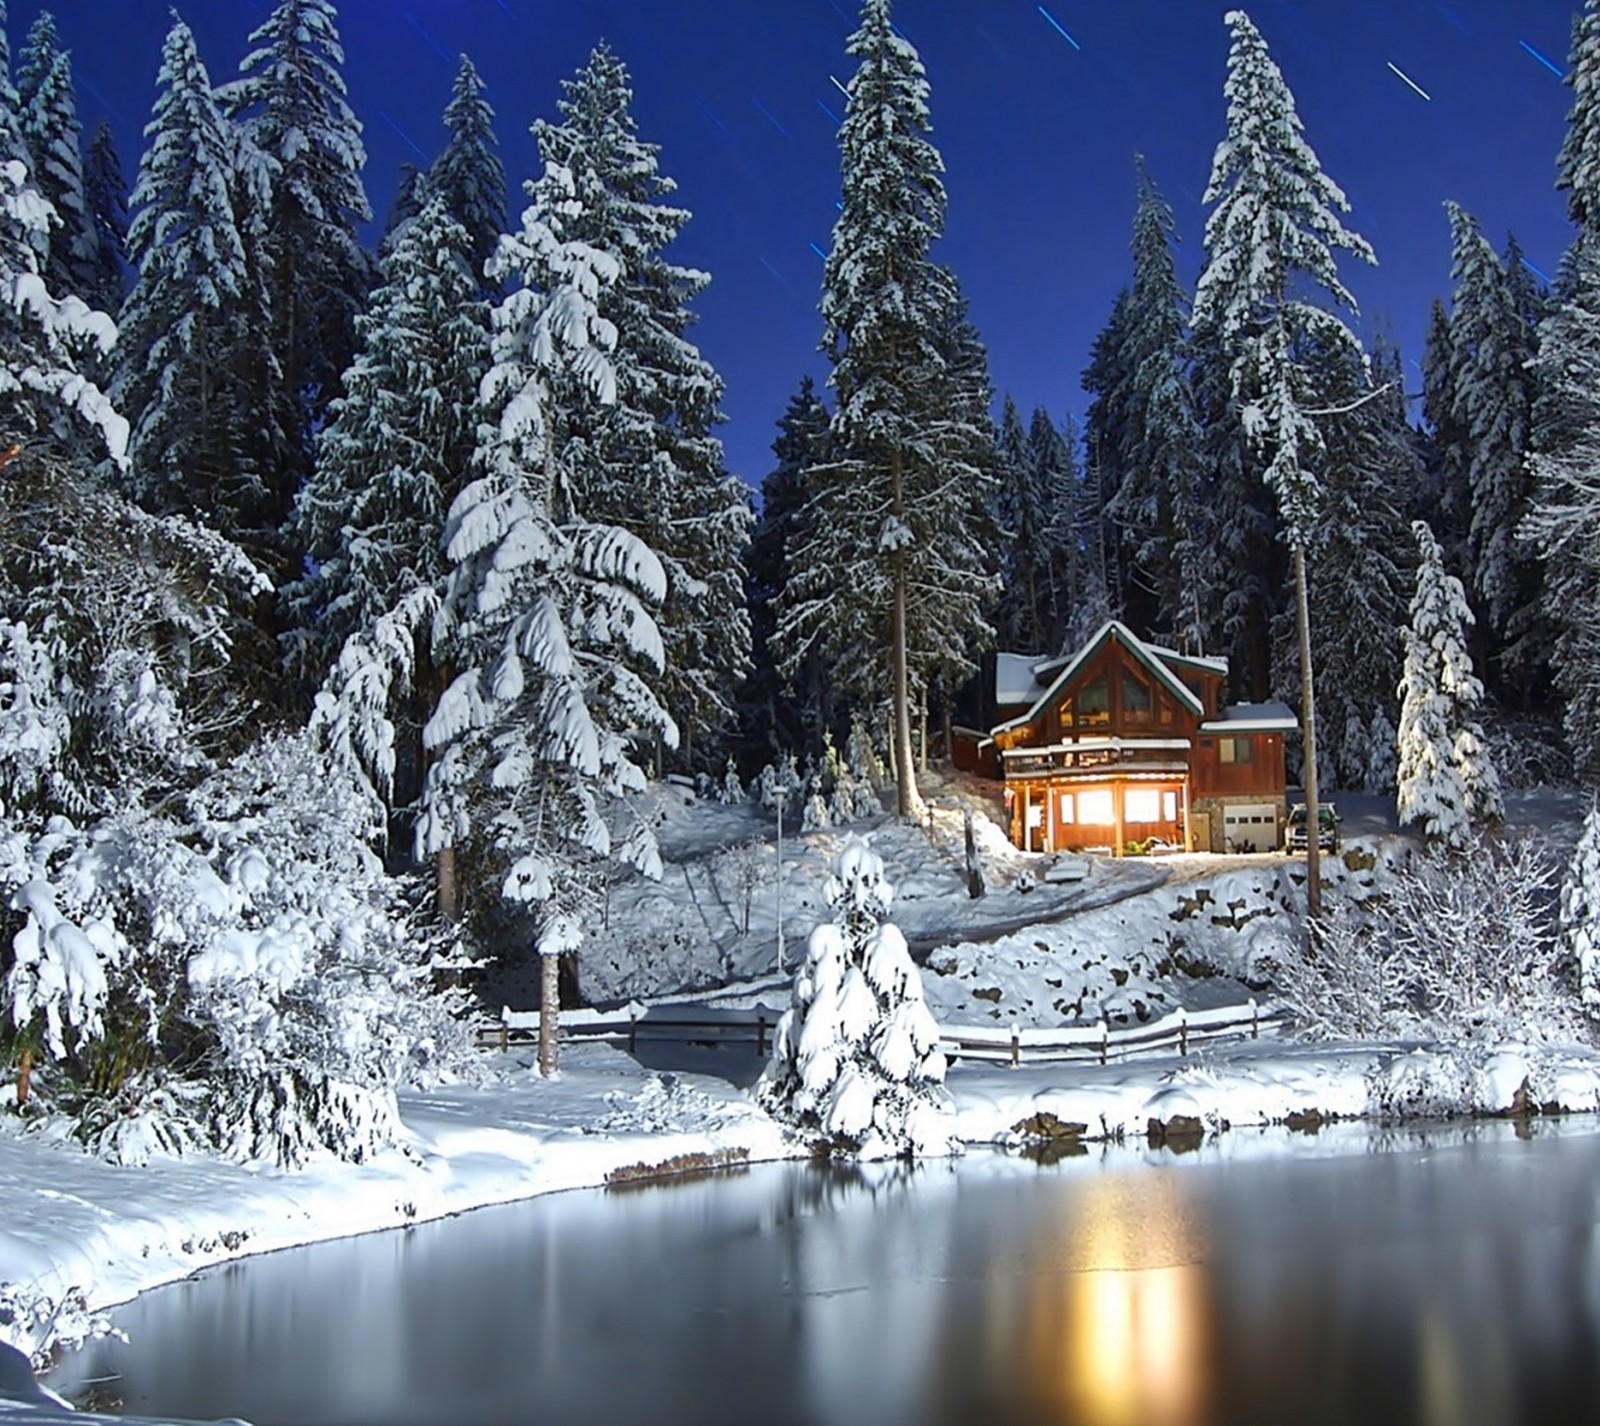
(1442, 1281)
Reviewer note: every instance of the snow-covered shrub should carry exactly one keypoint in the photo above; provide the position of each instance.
(1460, 947)
(814, 816)
(255, 945)
(731, 793)
(856, 1064)
(775, 778)
(41, 1324)
(1580, 911)
(1527, 750)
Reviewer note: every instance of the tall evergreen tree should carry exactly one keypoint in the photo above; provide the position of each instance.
(1578, 165)
(784, 715)
(1563, 522)
(105, 190)
(1160, 504)
(11, 141)
(1025, 616)
(890, 522)
(468, 174)
(1270, 240)
(176, 360)
(49, 117)
(1446, 782)
(290, 102)
(551, 610)
(396, 450)
(406, 204)
(649, 460)
(1493, 349)
(1080, 599)
(1450, 440)
(1359, 549)
(1111, 427)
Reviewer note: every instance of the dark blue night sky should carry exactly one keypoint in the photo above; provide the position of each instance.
(1037, 110)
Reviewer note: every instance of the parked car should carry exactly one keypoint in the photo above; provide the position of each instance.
(1328, 836)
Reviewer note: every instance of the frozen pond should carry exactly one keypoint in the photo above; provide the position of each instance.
(1442, 1277)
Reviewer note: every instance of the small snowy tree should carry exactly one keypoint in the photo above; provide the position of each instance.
(1446, 780)
(1580, 910)
(856, 1064)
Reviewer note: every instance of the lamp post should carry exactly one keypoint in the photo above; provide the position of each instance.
(781, 791)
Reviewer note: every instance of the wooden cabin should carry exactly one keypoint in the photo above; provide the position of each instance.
(1125, 741)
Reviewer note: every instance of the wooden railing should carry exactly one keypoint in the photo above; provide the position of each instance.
(1101, 1042)
(1098, 1042)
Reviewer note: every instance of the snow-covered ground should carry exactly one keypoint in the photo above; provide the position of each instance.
(1136, 938)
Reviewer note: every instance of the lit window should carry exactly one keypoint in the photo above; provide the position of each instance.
(1095, 808)
(1141, 804)
(1066, 807)
(1169, 806)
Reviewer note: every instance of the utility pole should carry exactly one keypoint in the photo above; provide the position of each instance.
(782, 791)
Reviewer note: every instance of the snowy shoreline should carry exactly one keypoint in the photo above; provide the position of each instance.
(75, 1224)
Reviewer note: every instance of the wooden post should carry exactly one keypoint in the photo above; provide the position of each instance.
(761, 1033)
(1255, 1019)
(25, 1070)
(1016, 1048)
(1116, 816)
(1183, 1032)
(1105, 1037)
(633, 1028)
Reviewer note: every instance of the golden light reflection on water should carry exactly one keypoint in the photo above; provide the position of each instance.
(1117, 1327)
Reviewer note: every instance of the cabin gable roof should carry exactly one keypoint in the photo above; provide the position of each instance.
(1113, 630)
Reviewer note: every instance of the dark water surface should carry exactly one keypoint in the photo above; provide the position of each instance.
(1435, 1278)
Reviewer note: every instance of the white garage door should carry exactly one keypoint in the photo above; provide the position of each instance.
(1251, 827)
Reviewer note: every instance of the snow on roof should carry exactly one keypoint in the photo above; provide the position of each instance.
(1136, 646)
(1271, 717)
(1200, 661)
(1013, 678)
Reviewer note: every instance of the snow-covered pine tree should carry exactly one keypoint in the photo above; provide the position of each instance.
(45, 398)
(1162, 501)
(1080, 600)
(551, 617)
(177, 358)
(1111, 431)
(1580, 910)
(779, 713)
(468, 175)
(1578, 165)
(1025, 618)
(1359, 549)
(1270, 241)
(11, 142)
(399, 441)
(1493, 347)
(105, 191)
(1446, 782)
(290, 104)
(856, 1065)
(49, 114)
(1563, 523)
(406, 204)
(649, 461)
(889, 522)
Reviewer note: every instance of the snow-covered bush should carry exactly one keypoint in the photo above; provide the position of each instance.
(254, 945)
(779, 778)
(856, 1064)
(731, 793)
(40, 1324)
(1459, 947)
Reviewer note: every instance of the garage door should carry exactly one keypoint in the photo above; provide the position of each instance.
(1251, 827)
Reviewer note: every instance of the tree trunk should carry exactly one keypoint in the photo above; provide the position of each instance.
(1308, 726)
(446, 893)
(549, 1012)
(24, 1076)
(909, 798)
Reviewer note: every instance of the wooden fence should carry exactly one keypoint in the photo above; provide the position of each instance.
(1098, 1042)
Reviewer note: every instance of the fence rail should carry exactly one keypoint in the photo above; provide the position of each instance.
(1099, 1042)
